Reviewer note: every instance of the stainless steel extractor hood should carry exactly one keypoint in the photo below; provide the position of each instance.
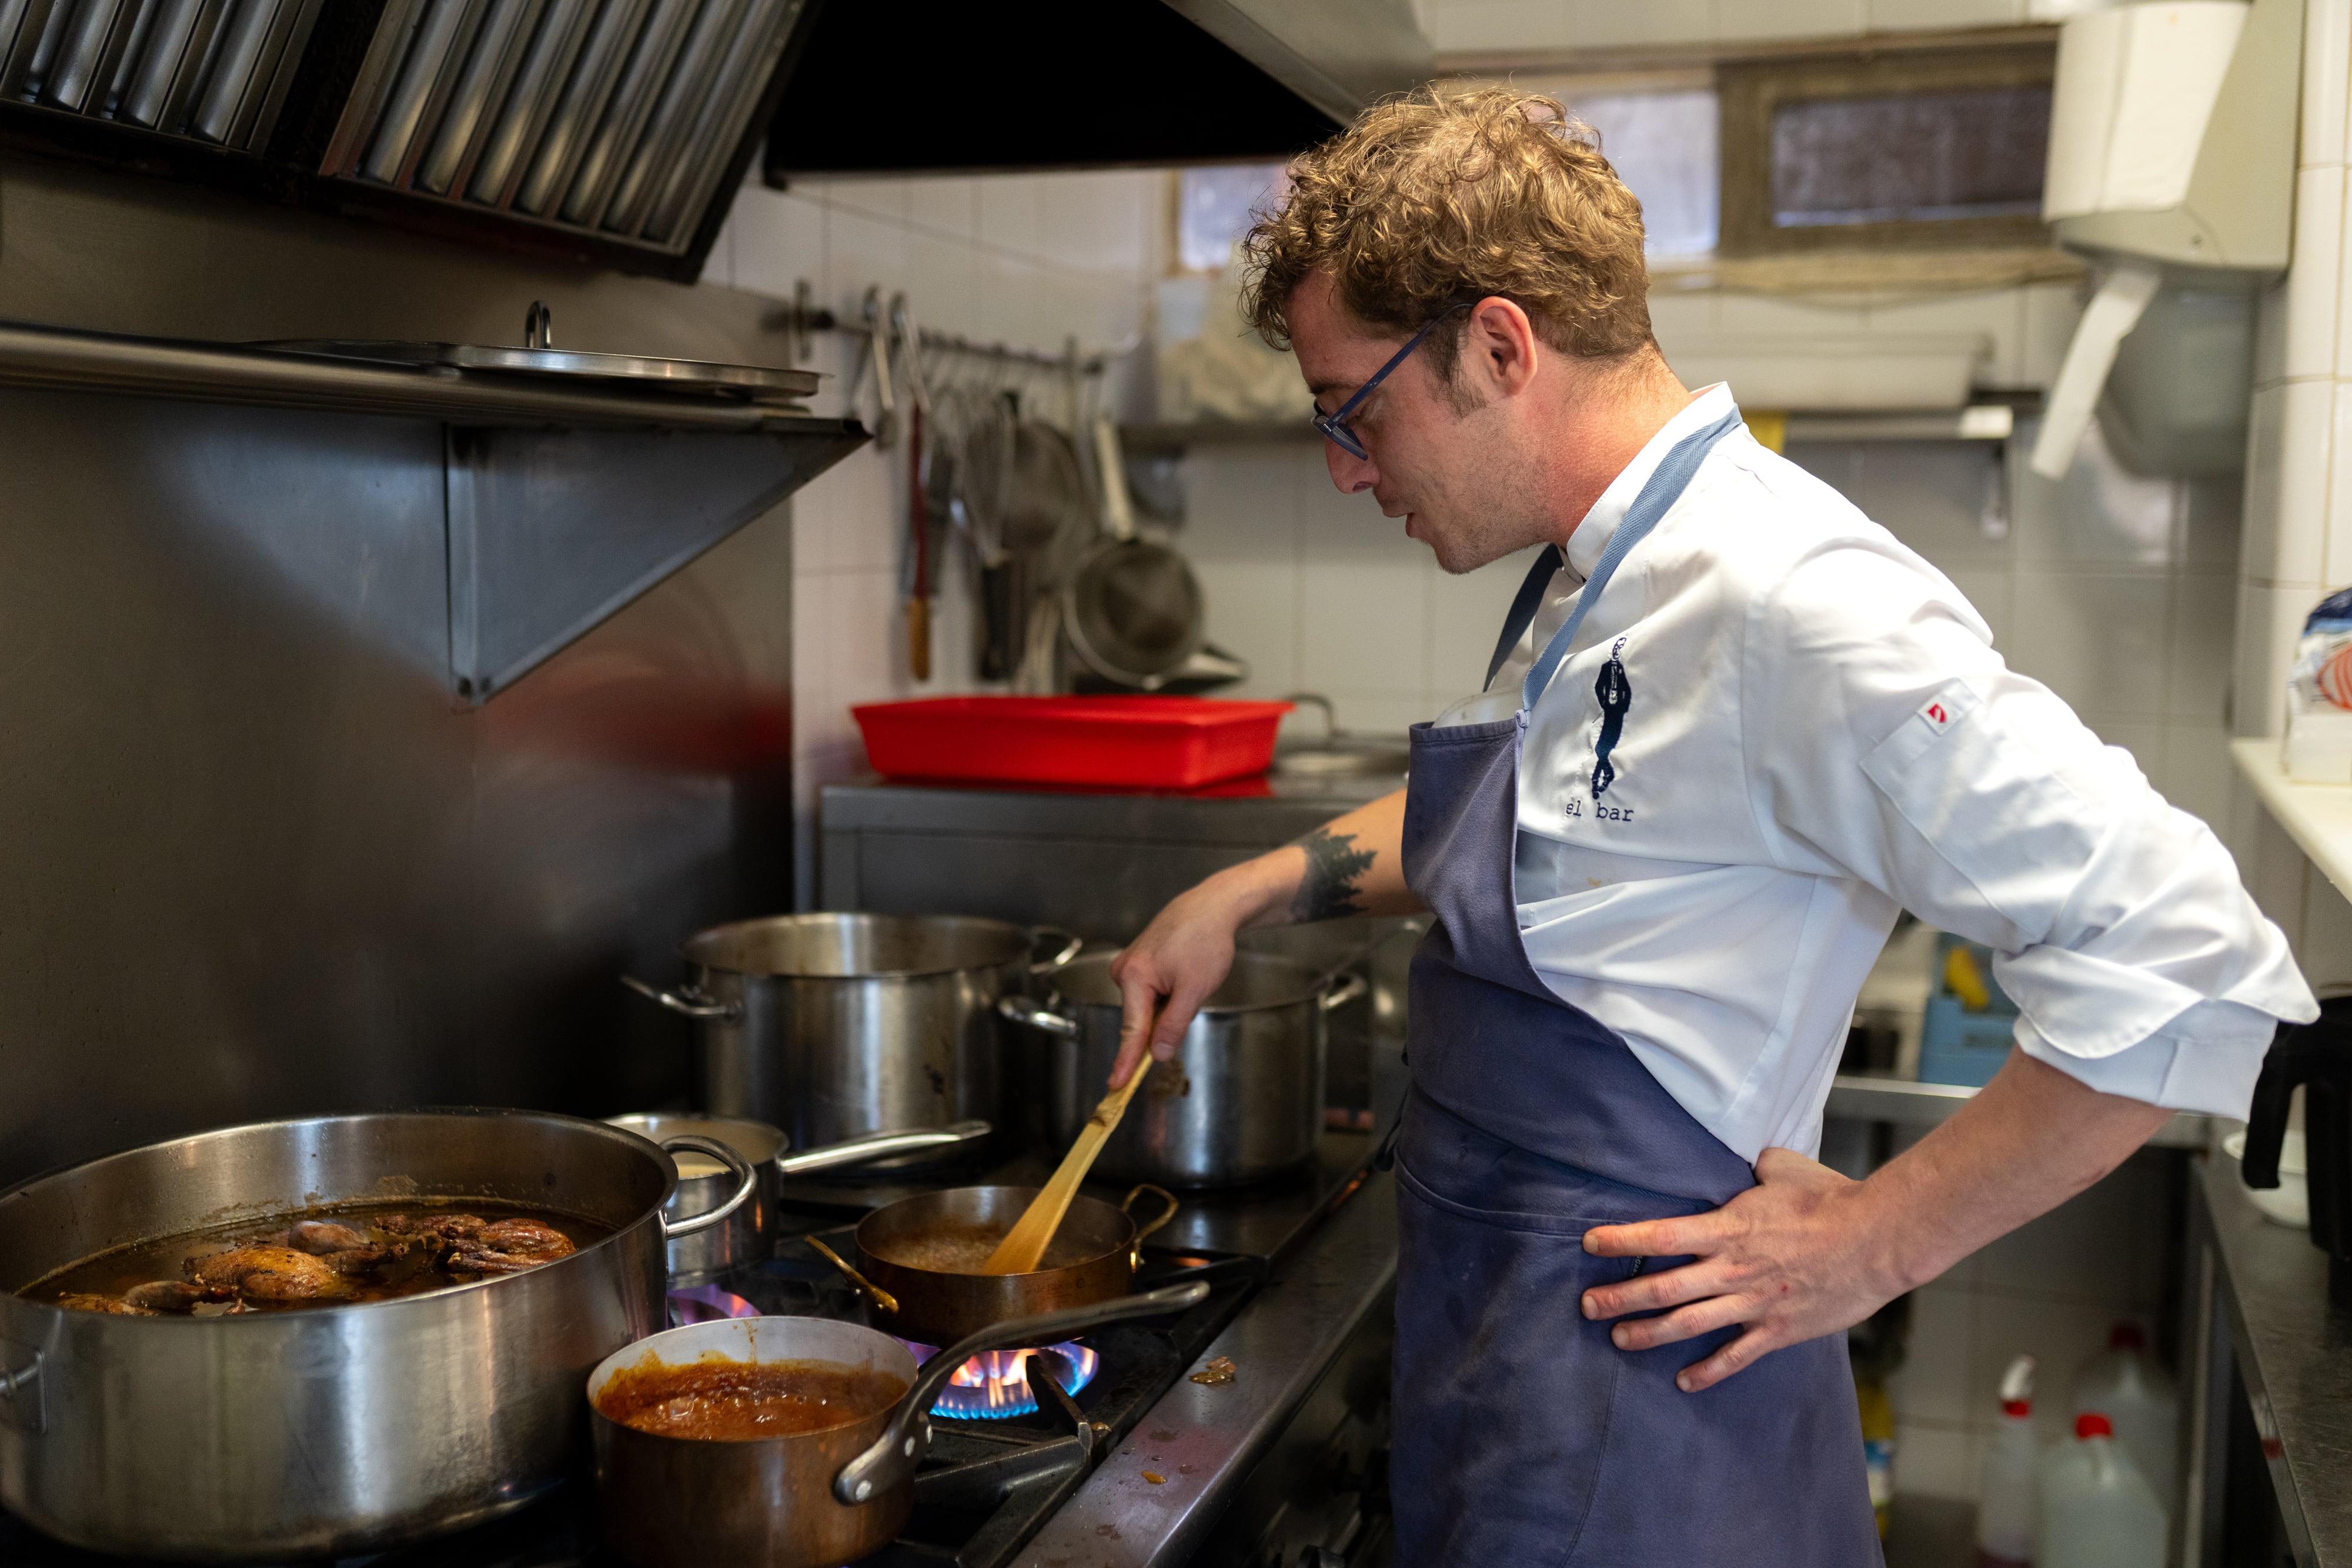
(884, 87)
(615, 132)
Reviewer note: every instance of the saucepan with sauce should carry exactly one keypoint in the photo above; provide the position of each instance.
(784, 1442)
(325, 1336)
(928, 1254)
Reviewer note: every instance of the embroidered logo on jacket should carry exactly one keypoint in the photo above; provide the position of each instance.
(1616, 695)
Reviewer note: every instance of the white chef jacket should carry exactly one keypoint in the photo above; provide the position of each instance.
(1820, 735)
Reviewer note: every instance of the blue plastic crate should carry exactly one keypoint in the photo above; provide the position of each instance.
(1957, 1046)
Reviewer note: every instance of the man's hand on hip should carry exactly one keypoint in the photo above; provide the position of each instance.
(1807, 1251)
(1792, 1258)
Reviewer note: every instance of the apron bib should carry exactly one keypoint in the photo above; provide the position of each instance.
(1522, 1436)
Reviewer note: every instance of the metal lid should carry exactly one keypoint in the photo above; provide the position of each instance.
(540, 357)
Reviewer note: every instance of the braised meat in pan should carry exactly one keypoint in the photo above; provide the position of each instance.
(355, 1255)
(469, 1245)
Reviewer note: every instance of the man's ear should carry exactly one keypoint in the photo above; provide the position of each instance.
(1503, 343)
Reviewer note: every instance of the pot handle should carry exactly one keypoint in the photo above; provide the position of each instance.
(1127, 1204)
(881, 1298)
(1349, 987)
(21, 1399)
(1022, 1010)
(1070, 942)
(873, 1145)
(747, 1179)
(894, 1455)
(685, 999)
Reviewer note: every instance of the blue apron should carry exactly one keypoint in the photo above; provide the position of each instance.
(1522, 1434)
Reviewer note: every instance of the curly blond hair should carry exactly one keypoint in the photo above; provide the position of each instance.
(1441, 195)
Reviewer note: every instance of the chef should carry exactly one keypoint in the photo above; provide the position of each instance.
(1730, 729)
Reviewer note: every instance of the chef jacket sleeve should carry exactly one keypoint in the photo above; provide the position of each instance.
(1887, 741)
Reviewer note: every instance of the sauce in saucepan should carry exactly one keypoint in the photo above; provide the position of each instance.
(737, 1401)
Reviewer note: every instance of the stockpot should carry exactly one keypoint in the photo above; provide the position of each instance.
(331, 1430)
(833, 1026)
(746, 1235)
(1241, 1101)
(808, 1500)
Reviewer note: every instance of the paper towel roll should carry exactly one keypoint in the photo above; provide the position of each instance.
(2114, 311)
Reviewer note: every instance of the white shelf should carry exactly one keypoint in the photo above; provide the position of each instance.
(2318, 817)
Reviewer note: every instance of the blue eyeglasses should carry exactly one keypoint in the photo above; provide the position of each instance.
(1334, 427)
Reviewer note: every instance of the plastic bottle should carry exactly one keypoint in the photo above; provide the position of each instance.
(2005, 1513)
(2096, 1510)
(2125, 1384)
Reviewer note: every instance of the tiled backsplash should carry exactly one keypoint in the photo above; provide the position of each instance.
(1029, 260)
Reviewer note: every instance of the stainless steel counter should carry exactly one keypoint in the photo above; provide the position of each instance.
(1906, 1102)
(2262, 1310)
(1205, 1441)
(1097, 862)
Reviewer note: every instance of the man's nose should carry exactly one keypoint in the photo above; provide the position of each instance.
(1353, 474)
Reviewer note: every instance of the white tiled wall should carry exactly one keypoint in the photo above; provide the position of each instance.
(2298, 529)
(1024, 259)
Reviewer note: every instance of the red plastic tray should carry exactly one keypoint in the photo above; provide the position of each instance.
(1131, 743)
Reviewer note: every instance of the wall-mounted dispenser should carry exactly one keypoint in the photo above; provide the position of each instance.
(2172, 146)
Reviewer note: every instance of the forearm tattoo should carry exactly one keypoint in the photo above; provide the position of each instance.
(1334, 867)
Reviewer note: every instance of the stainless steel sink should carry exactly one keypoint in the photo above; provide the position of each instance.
(1339, 754)
(1342, 758)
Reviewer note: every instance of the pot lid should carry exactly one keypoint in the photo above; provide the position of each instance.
(540, 357)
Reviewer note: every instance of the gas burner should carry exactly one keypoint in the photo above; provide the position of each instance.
(706, 1303)
(995, 1385)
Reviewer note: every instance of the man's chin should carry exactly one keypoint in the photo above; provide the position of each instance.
(1458, 557)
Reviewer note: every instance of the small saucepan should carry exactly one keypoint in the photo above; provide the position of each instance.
(925, 1253)
(810, 1499)
(746, 1234)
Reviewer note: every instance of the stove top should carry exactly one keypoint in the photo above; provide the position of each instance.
(991, 1482)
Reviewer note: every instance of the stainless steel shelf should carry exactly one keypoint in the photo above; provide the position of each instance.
(1907, 1104)
(72, 359)
(1988, 420)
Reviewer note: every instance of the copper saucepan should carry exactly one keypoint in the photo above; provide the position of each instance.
(911, 1248)
(810, 1499)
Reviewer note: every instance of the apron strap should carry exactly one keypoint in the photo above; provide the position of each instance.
(1666, 487)
(1523, 609)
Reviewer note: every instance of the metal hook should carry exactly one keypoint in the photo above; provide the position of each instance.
(910, 351)
(538, 326)
(877, 341)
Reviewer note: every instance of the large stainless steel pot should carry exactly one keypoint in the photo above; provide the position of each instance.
(811, 1499)
(746, 1235)
(331, 1430)
(1241, 1101)
(833, 1026)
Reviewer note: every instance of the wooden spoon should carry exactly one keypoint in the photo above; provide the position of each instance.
(1024, 1247)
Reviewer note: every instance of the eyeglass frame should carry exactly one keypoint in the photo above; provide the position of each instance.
(1333, 425)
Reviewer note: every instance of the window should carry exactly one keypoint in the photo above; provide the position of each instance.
(1666, 147)
(1215, 206)
(1932, 148)
(1663, 144)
